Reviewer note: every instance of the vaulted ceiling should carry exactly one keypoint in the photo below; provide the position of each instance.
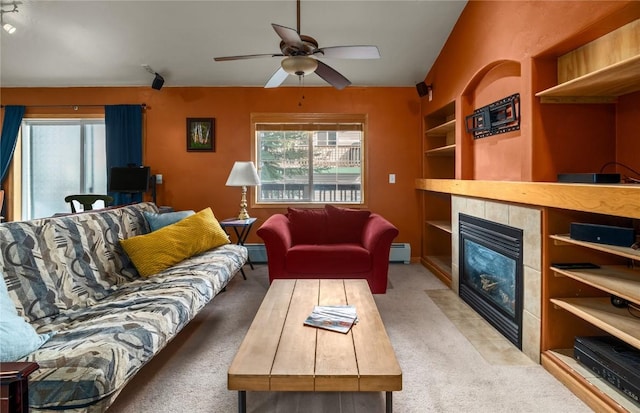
(106, 43)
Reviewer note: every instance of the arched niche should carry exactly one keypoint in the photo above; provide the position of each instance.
(498, 157)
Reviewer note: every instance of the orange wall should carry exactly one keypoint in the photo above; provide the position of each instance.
(195, 180)
(552, 138)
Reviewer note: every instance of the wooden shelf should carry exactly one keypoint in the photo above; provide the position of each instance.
(443, 225)
(444, 263)
(448, 150)
(615, 80)
(599, 312)
(599, 394)
(609, 199)
(625, 252)
(438, 161)
(440, 266)
(614, 279)
(442, 130)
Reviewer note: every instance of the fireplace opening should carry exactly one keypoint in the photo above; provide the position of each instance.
(491, 268)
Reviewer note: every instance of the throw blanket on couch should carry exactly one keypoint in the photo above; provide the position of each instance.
(69, 276)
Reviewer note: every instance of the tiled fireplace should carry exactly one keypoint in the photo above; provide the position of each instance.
(520, 217)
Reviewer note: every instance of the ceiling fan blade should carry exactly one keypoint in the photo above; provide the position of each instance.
(277, 78)
(331, 76)
(289, 36)
(248, 56)
(349, 52)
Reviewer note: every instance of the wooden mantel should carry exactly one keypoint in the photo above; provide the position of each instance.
(610, 199)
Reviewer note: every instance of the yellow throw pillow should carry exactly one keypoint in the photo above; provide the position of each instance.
(159, 250)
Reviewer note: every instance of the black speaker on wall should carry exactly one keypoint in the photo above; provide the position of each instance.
(422, 89)
(158, 81)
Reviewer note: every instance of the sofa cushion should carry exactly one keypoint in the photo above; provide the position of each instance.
(98, 349)
(17, 337)
(33, 270)
(345, 225)
(307, 226)
(158, 250)
(328, 259)
(157, 221)
(89, 248)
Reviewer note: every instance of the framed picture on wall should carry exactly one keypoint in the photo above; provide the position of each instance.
(201, 134)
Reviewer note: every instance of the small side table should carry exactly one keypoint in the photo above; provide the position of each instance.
(241, 227)
(14, 386)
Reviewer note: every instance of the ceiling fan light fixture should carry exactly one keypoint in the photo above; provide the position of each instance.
(299, 65)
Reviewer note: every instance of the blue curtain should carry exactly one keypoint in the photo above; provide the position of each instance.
(123, 127)
(12, 120)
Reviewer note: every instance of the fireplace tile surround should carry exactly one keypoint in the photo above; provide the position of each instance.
(528, 219)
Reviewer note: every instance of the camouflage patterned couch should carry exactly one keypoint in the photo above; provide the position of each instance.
(69, 275)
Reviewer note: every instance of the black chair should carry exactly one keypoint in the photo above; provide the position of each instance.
(87, 200)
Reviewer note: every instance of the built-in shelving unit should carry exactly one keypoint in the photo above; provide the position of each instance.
(601, 86)
(579, 303)
(439, 146)
(587, 75)
(574, 302)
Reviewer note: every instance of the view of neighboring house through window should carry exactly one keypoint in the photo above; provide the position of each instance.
(315, 160)
(60, 158)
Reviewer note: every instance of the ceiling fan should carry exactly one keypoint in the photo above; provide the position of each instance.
(301, 55)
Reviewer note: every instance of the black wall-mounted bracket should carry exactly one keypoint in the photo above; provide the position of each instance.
(498, 117)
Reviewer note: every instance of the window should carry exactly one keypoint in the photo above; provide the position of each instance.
(60, 158)
(310, 158)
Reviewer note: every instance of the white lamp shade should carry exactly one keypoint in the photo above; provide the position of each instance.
(243, 174)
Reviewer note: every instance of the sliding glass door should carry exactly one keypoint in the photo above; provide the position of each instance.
(61, 157)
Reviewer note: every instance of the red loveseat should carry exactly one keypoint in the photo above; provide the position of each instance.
(329, 243)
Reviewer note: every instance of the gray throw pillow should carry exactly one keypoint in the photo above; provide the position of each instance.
(157, 221)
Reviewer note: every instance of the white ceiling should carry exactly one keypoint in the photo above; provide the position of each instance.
(105, 43)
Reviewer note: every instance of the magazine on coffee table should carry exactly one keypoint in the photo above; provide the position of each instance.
(338, 318)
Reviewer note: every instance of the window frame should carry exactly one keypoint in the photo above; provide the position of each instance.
(310, 118)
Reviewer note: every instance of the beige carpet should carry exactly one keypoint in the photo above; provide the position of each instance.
(442, 369)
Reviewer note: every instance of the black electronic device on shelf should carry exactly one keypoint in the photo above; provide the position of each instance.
(612, 359)
(589, 178)
(603, 234)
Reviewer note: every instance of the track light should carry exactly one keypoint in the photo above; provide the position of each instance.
(9, 28)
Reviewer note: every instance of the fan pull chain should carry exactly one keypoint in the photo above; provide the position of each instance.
(301, 83)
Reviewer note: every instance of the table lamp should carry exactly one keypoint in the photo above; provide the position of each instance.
(243, 174)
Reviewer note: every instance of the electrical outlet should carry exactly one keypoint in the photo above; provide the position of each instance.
(392, 178)
(158, 178)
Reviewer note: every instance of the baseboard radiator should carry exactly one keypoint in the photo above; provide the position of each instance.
(400, 252)
(257, 253)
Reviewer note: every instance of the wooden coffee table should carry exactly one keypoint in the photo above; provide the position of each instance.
(280, 353)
